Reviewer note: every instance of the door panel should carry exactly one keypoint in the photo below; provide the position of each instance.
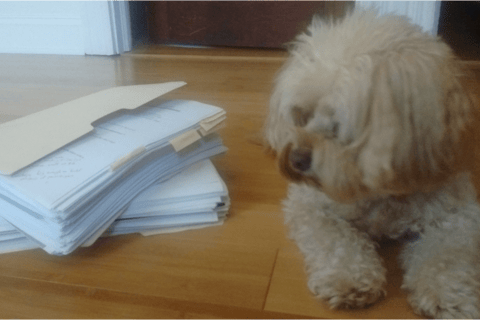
(230, 23)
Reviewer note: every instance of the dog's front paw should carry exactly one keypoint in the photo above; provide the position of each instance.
(444, 287)
(343, 293)
(442, 307)
(445, 303)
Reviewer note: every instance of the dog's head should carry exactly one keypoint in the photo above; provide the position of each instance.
(368, 106)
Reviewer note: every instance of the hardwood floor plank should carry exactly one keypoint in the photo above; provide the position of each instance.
(198, 271)
(27, 298)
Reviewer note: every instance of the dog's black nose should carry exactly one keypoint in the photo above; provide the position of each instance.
(300, 159)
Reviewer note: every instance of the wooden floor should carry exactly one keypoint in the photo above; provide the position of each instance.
(246, 268)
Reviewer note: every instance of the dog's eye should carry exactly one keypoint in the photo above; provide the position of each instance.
(329, 129)
(335, 128)
(301, 116)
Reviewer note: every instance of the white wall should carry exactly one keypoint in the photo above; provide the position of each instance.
(423, 13)
(41, 27)
(64, 27)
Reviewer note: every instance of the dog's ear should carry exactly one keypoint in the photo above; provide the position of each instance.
(277, 126)
(380, 126)
(417, 112)
(276, 131)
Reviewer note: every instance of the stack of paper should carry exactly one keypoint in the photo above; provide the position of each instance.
(195, 198)
(73, 195)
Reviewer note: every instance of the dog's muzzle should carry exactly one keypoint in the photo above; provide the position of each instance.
(300, 159)
(294, 163)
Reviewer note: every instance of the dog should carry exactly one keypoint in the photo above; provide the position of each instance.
(369, 119)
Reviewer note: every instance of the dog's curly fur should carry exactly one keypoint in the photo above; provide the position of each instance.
(368, 119)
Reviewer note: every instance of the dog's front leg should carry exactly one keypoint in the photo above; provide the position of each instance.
(442, 267)
(343, 266)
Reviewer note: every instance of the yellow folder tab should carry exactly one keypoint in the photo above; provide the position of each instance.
(210, 123)
(28, 139)
(185, 140)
